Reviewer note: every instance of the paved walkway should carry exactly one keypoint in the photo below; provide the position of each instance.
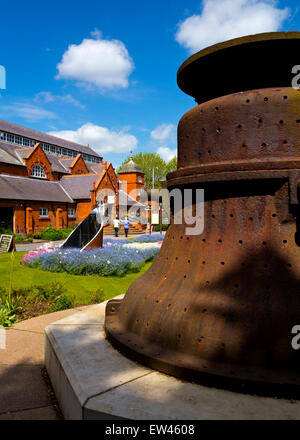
(24, 391)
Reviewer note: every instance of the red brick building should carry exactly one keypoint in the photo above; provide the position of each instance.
(45, 180)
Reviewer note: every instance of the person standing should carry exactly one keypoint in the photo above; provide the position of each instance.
(116, 226)
(126, 226)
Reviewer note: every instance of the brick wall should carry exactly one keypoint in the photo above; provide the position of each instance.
(27, 215)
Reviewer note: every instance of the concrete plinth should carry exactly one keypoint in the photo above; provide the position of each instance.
(92, 380)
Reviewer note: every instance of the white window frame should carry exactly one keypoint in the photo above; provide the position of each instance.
(44, 212)
(38, 171)
(71, 212)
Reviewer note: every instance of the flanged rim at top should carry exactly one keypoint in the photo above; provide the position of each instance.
(246, 63)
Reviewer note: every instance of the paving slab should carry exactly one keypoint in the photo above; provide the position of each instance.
(22, 387)
(92, 380)
(44, 413)
(25, 340)
(23, 391)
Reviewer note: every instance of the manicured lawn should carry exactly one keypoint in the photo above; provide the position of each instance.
(79, 286)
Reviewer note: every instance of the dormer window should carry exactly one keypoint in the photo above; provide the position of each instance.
(38, 171)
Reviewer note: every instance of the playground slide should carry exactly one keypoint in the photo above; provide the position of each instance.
(88, 234)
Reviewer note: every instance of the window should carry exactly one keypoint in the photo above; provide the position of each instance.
(38, 171)
(43, 212)
(71, 212)
(140, 179)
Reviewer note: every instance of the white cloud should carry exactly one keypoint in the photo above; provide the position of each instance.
(49, 97)
(163, 132)
(101, 139)
(96, 34)
(32, 113)
(166, 153)
(222, 20)
(97, 62)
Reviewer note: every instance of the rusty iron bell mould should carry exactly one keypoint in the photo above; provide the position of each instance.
(219, 308)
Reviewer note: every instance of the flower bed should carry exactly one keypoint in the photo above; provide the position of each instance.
(117, 257)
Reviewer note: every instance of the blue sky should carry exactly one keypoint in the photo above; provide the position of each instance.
(104, 73)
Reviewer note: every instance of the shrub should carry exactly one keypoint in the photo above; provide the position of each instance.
(6, 231)
(97, 296)
(6, 318)
(62, 302)
(9, 306)
(51, 234)
(22, 239)
(44, 293)
(37, 235)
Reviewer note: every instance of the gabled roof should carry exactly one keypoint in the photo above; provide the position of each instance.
(25, 188)
(46, 138)
(8, 155)
(96, 169)
(79, 186)
(56, 165)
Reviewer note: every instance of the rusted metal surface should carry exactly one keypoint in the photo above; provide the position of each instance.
(219, 307)
(246, 63)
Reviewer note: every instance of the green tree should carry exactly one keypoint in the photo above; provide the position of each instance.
(172, 165)
(150, 162)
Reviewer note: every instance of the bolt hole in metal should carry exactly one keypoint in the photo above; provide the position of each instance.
(260, 121)
(266, 99)
(247, 101)
(231, 215)
(263, 144)
(222, 263)
(285, 97)
(219, 130)
(281, 122)
(244, 146)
